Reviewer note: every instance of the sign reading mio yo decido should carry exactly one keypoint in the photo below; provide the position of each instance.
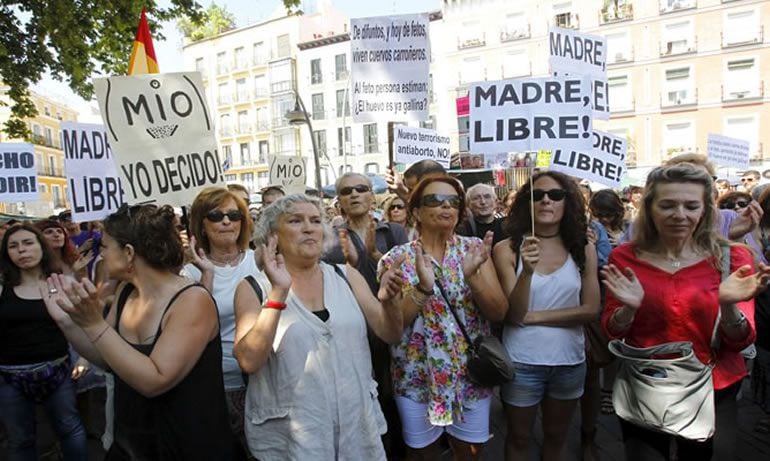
(162, 136)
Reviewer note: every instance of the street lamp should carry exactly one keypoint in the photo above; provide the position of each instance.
(299, 116)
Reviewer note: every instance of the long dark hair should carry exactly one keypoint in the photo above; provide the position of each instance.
(573, 225)
(607, 203)
(10, 272)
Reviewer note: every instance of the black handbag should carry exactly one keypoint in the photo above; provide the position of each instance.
(488, 363)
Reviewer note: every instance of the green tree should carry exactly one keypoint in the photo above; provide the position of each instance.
(215, 20)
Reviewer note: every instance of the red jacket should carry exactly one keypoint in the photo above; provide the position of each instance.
(683, 307)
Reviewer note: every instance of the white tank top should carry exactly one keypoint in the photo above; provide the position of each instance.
(547, 345)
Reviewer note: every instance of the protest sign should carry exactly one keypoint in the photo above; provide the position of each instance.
(522, 115)
(415, 144)
(289, 172)
(726, 151)
(162, 136)
(543, 159)
(604, 163)
(391, 67)
(574, 53)
(18, 176)
(94, 188)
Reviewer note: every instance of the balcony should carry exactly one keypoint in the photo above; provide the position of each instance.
(261, 126)
(471, 42)
(567, 21)
(41, 140)
(342, 74)
(731, 40)
(224, 100)
(746, 94)
(244, 128)
(259, 59)
(281, 87)
(616, 13)
(678, 100)
(511, 34)
(48, 170)
(261, 93)
(510, 70)
(622, 107)
(672, 6)
(669, 152)
(678, 47)
(316, 78)
(621, 57)
(242, 96)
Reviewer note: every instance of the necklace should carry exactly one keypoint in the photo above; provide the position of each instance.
(226, 261)
(547, 236)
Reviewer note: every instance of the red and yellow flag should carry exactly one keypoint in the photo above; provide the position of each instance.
(143, 59)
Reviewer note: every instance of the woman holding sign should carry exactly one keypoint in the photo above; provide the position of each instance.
(552, 276)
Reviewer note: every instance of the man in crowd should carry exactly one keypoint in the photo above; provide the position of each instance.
(750, 180)
(482, 204)
(411, 177)
(241, 191)
(270, 194)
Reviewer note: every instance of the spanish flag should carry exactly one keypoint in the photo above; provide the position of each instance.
(143, 54)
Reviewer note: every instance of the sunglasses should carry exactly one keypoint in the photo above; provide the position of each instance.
(217, 216)
(436, 200)
(361, 189)
(737, 204)
(747, 179)
(557, 195)
(397, 207)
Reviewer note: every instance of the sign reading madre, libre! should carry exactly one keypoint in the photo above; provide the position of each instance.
(18, 176)
(290, 172)
(575, 53)
(162, 136)
(726, 151)
(414, 144)
(94, 189)
(604, 163)
(390, 68)
(523, 115)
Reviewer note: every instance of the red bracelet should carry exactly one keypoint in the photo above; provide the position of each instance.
(270, 304)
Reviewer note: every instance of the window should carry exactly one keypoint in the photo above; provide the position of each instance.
(200, 66)
(619, 92)
(281, 77)
(239, 58)
(231, 178)
(563, 16)
(341, 66)
(283, 46)
(617, 10)
(343, 144)
(472, 70)
(245, 154)
(224, 93)
(48, 137)
(264, 151)
(516, 27)
(241, 92)
(315, 72)
(260, 87)
(745, 128)
(225, 127)
(741, 27)
(371, 145)
(674, 5)
(258, 54)
(263, 178)
(47, 111)
(51, 165)
(57, 201)
(247, 179)
(320, 141)
(678, 38)
(36, 130)
(280, 107)
(222, 67)
(318, 106)
(741, 79)
(43, 189)
(470, 35)
(243, 122)
(263, 124)
(372, 168)
(516, 64)
(345, 169)
(618, 47)
(678, 138)
(343, 103)
(285, 144)
(227, 153)
(678, 87)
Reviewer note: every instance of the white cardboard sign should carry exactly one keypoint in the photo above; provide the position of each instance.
(390, 68)
(414, 144)
(94, 188)
(727, 151)
(290, 172)
(604, 163)
(18, 175)
(162, 136)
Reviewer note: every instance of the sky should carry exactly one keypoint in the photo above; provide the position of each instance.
(169, 51)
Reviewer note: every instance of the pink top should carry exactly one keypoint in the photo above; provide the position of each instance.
(683, 306)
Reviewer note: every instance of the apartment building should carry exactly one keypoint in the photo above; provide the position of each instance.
(250, 76)
(677, 70)
(45, 131)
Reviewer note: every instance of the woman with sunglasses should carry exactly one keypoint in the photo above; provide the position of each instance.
(442, 272)
(552, 278)
(607, 208)
(738, 202)
(221, 258)
(395, 212)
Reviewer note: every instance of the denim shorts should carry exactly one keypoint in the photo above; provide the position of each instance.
(534, 382)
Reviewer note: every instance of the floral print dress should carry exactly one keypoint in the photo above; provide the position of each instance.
(429, 365)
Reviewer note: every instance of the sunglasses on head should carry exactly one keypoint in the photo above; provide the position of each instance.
(737, 204)
(397, 207)
(217, 216)
(556, 195)
(436, 200)
(361, 188)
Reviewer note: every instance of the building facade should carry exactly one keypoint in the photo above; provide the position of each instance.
(45, 129)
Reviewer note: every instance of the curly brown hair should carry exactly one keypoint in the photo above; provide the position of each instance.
(151, 230)
(573, 225)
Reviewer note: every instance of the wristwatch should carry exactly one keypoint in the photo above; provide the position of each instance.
(738, 322)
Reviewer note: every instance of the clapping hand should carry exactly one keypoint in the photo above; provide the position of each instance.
(348, 248)
(274, 265)
(624, 286)
(199, 259)
(391, 281)
(477, 255)
(424, 269)
(65, 297)
(742, 285)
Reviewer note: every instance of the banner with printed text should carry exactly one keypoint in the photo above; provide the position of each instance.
(18, 174)
(162, 136)
(414, 144)
(390, 68)
(726, 151)
(604, 162)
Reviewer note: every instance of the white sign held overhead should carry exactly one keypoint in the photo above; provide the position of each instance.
(390, 68)
(727, 151)
(162, 136)
(94, 189)
(575, 53)
(18, 175)
(522, 115)
(290, 172)
(604, 163)
(414, 144)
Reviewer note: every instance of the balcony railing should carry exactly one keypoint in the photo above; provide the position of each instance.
(510, 34)
(41, 140)
(510, 71)
(686, 100)
(261, 126)
(743, 94)
(281, 87)
(610, 13)
(261, 93)
(316, 78)
(671, 49)
(621, 57)
(668, 6)
(48, 170)
(731, 40)
(260, 59)
(622, 107)
(226, 131)
(668, 152)
(567, 20)
(471, 42)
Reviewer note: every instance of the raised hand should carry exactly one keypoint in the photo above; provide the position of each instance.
(371, 240)
(424, 269)
(199, 259)
(746, 221)
(274, 265)
(348, 249)
(742, 285)
(83, 261)
(395, 183)
(624, 286)
(530, 254)
(477, 255)
(79, 300)
(591, 235)
(391, 281)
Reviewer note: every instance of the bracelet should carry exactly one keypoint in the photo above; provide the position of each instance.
(423, 290)
(270, 304)
(737, 323)
(99, 336)
(620, 324)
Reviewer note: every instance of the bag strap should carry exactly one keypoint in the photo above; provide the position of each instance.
(339, 272)
(452, 310)
(255, 286)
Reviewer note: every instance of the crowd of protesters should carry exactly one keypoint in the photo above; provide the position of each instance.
(305, 329)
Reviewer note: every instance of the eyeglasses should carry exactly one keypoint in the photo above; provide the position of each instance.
(361, 189)
(436, 200)
(737, 204)
(748, 179)
(396, 207)
(217, 216)
(557, 195)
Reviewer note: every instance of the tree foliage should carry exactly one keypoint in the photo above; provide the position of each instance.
(215, 20)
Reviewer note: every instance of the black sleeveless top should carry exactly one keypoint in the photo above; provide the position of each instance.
(188, 422)
(28, 334)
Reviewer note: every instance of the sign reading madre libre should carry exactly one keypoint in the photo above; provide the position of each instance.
(94, 185)
(18, 176)
(162, 136)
